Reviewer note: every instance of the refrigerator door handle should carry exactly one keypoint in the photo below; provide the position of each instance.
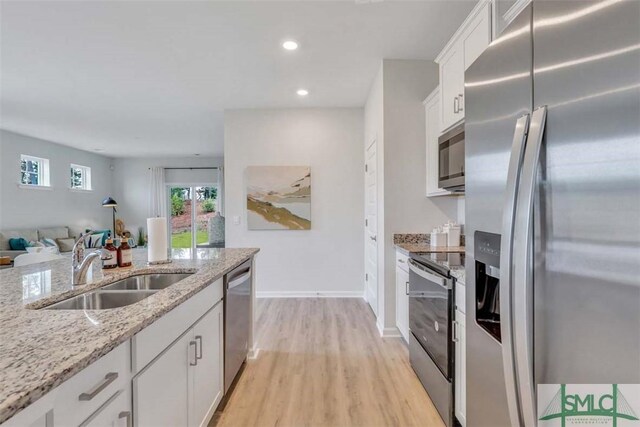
(523, 268)
(506, 264)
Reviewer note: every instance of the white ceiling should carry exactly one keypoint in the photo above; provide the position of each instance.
(153, 78)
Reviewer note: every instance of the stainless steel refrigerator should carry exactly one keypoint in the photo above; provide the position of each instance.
(553, 207)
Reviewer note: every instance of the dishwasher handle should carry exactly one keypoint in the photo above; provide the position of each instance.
(239, 280)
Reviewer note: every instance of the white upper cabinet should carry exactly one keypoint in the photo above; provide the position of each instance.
(471, 39)
(432, 122)
(503, 13)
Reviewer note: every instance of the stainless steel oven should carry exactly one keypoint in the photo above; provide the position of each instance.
(431, 348)
(451, 159)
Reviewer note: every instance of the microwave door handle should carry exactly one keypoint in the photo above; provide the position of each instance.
(506, 262)
(523, 268)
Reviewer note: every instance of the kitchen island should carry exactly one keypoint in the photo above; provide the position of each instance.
(40, 349)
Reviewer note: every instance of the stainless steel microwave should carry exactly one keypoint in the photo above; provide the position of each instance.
(451, 159)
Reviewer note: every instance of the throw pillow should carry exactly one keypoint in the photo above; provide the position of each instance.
(93, 241)
(49, 243)
(66, 245)
(105, 236)
(18, 244)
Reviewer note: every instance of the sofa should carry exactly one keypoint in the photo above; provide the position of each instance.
(33, 234)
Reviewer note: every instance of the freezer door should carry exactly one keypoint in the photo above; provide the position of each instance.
(498, 93)
(586, 265)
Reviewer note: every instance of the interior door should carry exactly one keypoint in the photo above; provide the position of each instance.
(371, 226)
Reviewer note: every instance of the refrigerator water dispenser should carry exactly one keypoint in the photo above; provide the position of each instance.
(487, 254)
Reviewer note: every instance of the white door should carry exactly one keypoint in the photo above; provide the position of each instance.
(371, 227)
(206, 375)
(160, 392)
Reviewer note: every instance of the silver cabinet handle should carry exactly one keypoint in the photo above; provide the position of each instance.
(127, 415)
(108, 379)
(438, 280)
(455, 105)
(406, 288)
(374, 238)
(401, 261)
(506, 262)
(454, 333)
(238, 281)
(199, 340)
(523, 270)
(195, 353)
(460, 102)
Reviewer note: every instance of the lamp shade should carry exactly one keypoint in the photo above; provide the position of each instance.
(109, 203)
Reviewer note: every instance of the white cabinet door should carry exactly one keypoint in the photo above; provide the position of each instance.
(451, 86)
(432, 122)
(460, 369)
(206, 376)
(402, 302)
(477, 36)
(160, 392)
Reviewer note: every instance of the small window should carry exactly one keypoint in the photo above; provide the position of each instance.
(80, 177)
(34, 171)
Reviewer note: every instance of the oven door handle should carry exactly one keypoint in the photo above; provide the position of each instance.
(438, 280)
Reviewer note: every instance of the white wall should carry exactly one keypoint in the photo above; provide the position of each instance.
(328, 258)
(131, 183)
(404, 84)
(36, 208)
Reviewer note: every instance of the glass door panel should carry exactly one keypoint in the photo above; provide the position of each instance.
(180, 221)
(206, 207)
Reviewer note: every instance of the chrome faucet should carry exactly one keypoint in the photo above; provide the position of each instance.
(81, 263)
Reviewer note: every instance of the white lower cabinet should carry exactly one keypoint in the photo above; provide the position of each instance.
(160, 392)
(460, 368)
(206, 377)
(183, 385)
(402, 299)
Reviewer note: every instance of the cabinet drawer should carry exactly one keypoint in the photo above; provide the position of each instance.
(84, 393)
(401, 261)
(116, 412)
(151, 341)
(460, 297)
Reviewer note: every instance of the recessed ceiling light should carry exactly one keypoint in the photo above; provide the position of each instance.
(302, 92)
(290, 45)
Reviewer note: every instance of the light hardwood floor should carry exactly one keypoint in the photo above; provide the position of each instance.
(323, 363)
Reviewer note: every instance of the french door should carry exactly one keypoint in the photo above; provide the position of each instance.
(191, 207)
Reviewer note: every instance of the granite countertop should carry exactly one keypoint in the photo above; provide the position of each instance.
(419, 244)
(40, 349)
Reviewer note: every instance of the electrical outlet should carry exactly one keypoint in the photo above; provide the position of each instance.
(236, 219)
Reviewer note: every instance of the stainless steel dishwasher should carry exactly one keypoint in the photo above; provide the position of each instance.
(237, 318)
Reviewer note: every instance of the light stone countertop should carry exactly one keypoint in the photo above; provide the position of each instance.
(40, 349)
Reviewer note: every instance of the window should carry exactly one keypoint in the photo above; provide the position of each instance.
(34, 171)
(80, 177)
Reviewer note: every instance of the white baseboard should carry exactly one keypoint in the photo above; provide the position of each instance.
(253, 353)
(309, 294)
(392, 332)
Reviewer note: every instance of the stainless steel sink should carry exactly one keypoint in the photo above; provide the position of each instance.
(147, 282)
(101, 300)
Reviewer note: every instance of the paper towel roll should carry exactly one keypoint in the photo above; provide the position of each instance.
(157, 239)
